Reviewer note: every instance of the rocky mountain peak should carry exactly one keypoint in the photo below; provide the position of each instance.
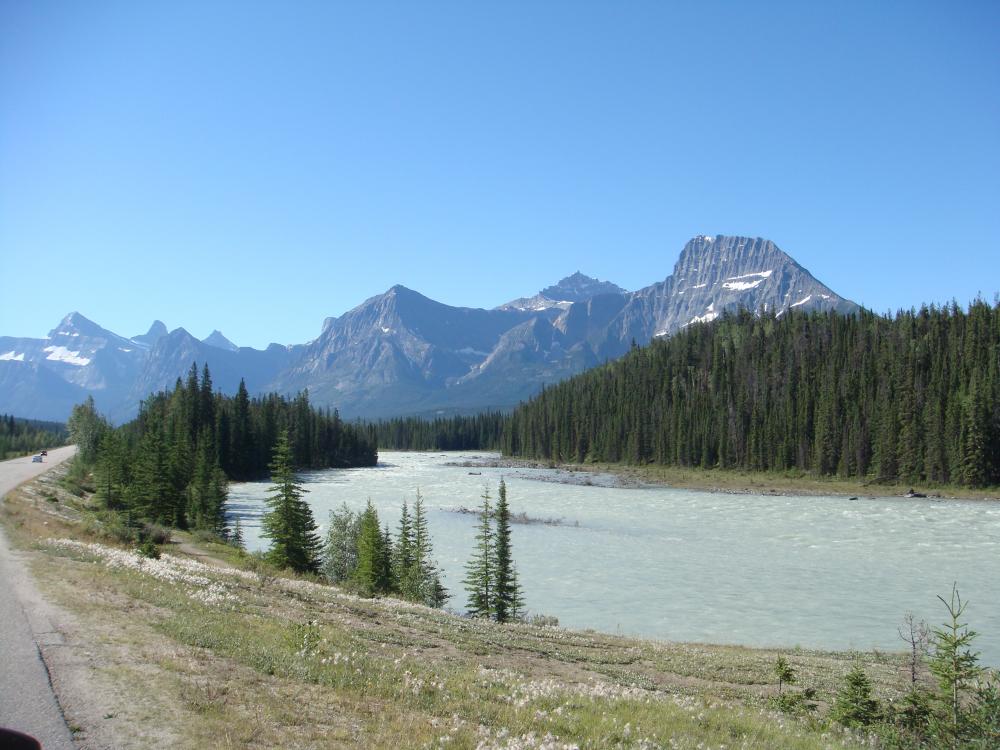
(216, 339)
(75, 325)
(575, 288)
(156, 331)
(578, 287)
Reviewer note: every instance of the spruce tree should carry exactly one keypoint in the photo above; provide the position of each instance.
(289, 524)
(368, 574)
(430, 589)
(480, 574)
(405, 570)
(956, 668)
(855, 706)
(236, 536)
(506, 591)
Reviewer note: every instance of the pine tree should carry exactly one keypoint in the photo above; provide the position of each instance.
(956, 668)
(289, 523)
(236, 537)
(506, 591)
(855, 706)
(370, 573)
(112, 468)
(431, 591)
(479, 570)
(405, 570)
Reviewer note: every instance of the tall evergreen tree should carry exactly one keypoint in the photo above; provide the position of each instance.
(370, 574)
(289, 523)
(480, 575)
(506, 590)
(431, 591)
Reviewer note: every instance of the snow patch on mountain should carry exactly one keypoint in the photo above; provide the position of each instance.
(12, 357)
(62, 354)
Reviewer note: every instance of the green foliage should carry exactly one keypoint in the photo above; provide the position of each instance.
(855, 706)
(172, 464)
(86, 427)
(289, 523)
(477, 432)
(911, 398)
(506, 590)
(359, 554)
(373, 574)
(956, 668)
(340, 552)
(984, 716)
(19, 437)
(430, 590)
(491, 579)
(236, 535)
(480, 575)
(784, 672)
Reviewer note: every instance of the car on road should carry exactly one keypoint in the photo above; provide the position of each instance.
(37, 459)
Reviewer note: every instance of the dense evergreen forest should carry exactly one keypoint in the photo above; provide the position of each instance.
(913, 397)
(171, 464)
(19, 437)
(478, 432)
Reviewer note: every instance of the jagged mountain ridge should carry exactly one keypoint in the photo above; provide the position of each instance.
(575, 288)
(402, 353)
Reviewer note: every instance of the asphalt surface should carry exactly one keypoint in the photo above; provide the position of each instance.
(27, 702)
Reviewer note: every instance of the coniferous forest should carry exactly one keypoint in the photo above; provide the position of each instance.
(475, 432)
(19, 437)
(172, 463)
(912, 397)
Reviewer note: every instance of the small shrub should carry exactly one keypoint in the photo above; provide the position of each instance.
(148, 548)
(855, 706)
(155, 533)
(544, 621)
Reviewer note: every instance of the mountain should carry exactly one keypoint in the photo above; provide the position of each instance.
(216, 339)
(575, 288)
(171, 358)
(156, 331)
(401, 353)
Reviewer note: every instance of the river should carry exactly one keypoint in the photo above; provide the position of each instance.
(684, 565)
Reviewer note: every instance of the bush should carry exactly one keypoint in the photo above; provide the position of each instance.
(155, 533)
(149, 549)
(855, 706)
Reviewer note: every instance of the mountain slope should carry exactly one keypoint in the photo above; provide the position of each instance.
(400, 353)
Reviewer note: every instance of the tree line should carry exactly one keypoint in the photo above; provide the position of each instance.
(911, 397)
(19, 437)
(475, 432)
(171, 464)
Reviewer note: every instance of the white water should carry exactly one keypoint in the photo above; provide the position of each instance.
(820, 572)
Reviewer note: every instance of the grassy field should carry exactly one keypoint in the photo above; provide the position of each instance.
(205, 647)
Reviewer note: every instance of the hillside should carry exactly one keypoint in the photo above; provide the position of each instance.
(400, 353)
(910, 398)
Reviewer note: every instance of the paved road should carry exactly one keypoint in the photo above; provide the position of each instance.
(27, 702)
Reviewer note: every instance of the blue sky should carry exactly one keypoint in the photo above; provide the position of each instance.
(256, 167)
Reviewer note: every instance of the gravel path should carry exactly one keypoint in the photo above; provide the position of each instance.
(27, 702)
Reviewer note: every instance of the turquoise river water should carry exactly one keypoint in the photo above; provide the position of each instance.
(818, 572)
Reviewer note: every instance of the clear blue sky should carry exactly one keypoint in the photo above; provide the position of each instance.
(256, 167)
